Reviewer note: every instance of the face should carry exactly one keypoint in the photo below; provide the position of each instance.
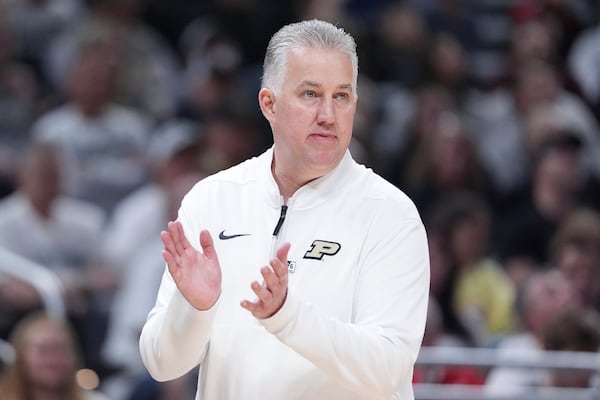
(40, 180)
(549, 295)
(312, 115)
(48, 356)
(580, 267)
(470, 238)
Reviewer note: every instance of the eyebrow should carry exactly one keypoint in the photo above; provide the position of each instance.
(347, 86)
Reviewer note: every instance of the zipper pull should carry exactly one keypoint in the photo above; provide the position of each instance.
(281, 219)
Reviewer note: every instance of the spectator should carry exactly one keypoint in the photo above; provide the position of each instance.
(148, 77)
(482, 295)
(557, 184)
(46, 363)
(41, 224)
(446, 324)
(575, 251)
(102, 144)
(443, 163)
(544, 295)
(578, 331)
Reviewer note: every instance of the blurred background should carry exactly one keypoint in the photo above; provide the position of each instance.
(485, 112)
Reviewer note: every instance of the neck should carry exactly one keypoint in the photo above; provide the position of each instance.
(287, 185)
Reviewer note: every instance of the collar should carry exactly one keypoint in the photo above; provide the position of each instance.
(313, 193)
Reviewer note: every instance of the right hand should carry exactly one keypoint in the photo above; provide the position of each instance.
(196, 274)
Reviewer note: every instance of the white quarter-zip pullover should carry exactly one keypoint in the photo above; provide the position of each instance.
(353, 320)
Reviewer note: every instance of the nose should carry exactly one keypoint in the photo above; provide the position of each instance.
(326, 112)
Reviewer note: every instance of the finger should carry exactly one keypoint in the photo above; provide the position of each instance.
(207, 244)
(171, 264)
(179, 239)
(250, 306)
(168, 242)
(271, 280)
(282, 252)
(263, 294)
(280, 269)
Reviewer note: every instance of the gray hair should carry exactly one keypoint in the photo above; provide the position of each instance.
(313, 33)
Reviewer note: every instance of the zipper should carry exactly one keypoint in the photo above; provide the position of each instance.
(278, 226)
(281, 219)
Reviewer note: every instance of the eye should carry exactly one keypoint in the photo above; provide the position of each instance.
(342, 96)
(310, 94)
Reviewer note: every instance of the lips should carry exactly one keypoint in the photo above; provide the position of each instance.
(323, 136)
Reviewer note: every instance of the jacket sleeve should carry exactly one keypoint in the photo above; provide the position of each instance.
(373, 354)
(175, 337)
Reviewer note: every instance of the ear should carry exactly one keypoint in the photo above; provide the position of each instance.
(266, 100)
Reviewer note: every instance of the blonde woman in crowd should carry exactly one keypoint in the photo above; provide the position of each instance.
(46, 363)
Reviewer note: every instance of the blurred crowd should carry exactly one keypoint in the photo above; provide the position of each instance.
(485, 112)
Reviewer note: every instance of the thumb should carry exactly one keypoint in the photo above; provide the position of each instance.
(206, 242)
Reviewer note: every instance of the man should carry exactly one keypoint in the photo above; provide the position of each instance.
(342, 305)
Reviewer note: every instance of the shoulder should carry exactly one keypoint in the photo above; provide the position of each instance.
(12, 207)
(52, 122)
(369, 187)
(246, 173)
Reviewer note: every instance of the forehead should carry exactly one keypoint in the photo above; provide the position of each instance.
(46, 331)
(320, 65)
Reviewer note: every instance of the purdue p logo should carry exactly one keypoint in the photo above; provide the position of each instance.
(320, 248)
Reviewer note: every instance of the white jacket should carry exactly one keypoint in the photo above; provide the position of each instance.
(353, 320)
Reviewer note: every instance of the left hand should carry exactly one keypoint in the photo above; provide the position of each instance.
(272, 292)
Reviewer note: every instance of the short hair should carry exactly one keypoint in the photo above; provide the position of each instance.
(580, 228)
(573, 330)
(311, 33)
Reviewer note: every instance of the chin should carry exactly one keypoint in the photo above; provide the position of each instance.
(324, 163)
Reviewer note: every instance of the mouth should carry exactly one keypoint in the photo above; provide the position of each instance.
(323, 136)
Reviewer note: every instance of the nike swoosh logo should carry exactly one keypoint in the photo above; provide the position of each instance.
(223, 236)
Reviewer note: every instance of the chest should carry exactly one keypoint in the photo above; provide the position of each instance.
(324, 261)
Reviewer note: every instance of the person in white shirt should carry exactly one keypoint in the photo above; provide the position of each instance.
(297, 274)
(102, 143)
(40, 223)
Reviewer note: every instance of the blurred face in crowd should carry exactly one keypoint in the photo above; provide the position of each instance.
(448, 61)
(558, 179)
(92, 79)
(581, 267)
(452, 159)
(40, 180)
(469, 239)
(48, 356)
(312, 114)
(546, 294)
(537, 84)
(532, 40)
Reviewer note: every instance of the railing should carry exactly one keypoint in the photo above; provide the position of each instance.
(41, 279)
(489, 358)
